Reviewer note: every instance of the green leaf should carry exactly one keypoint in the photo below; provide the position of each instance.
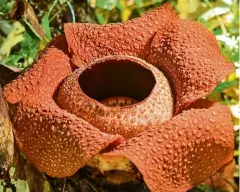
(100, 18)
(32, 28)
(21, 185)
(45, 24)
(13, 60)
(13, 38)
(1, 186)
(5, 27)
(235, 56)
(45, 21)
(228, 102)
(28, 51)
(139, 3)
(226, 84)
(5, 6)
(106, 4)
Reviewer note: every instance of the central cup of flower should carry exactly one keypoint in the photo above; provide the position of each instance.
(118, 94)
(117, 83)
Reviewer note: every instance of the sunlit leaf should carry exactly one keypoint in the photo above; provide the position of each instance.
(100, 18)
(236, 128)
(102, 15)
(227, 2)
(106, 4)
(228, 18)
(20, 185)
(28, 51)
(226, 84)
(213, 13)
(13, 59)
(235, 109)
(13, 38)
(232, 76)
(125, 14)
(186, 7)
(125, 9)
(231, 42)
(215, 96)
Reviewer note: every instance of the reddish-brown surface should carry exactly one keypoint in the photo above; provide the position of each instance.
(183, 151)
(191, 58)
(172, 156)
(88, 42)
(127, 121)
(57, 142)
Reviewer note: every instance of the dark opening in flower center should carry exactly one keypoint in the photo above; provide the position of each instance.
(117, 82)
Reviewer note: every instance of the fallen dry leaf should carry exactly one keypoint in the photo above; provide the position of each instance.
(23, 9)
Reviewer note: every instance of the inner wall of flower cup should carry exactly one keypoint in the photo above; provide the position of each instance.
(119, 82)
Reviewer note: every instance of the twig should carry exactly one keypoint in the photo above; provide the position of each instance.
(72, 11)
(212, 184)
(92, 186)
(144, 188)
(233, 185)
(64, 185)
(59, 11)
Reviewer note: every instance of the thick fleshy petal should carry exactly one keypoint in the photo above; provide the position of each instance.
(183, 151)
(189, 55)
(223, 179)
(87, 42)
(180, 153)
(52, 66)
(55, 141)
(110, 76)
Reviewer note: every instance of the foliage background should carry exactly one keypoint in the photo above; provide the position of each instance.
(27, 27)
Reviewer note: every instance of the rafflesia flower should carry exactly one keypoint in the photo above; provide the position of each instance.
(129, 94)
